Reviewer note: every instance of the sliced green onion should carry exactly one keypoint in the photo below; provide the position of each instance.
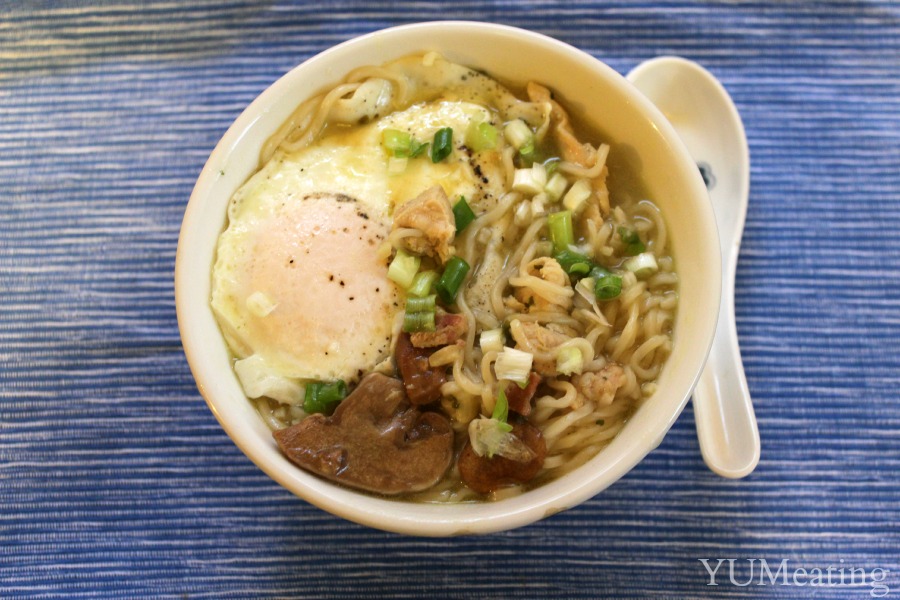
(481, 136)
(556, 185)
(513, 365)
(524, 181)
(598, 272)
(537, 204)
(539, 173)
(421, 285)
(569, 360)
(642, 265)
(519, 134)
(396, 142)
(607, 286)
(463, 214)
(543, 248)
(579, 269)
(492, 340)
(574, 263)
(561, 231)
(403, 268)
(501, 407)
(577, 195)
(414, 322)
(418, 305)
(417, 148)
(420, 314)
(454, 273)
(323, 397)
(442, 144)
(490, 438)
(632, 241)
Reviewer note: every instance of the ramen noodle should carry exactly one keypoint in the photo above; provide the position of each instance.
(438, 289)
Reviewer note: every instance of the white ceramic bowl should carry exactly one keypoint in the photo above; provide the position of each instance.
(588, 88)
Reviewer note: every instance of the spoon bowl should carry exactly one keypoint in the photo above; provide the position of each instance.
(705, 118)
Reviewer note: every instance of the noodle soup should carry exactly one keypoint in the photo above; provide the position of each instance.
(436, 288)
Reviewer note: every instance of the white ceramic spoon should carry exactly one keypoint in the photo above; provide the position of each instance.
(707, 121)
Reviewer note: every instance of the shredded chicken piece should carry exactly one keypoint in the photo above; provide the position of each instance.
(602, 385)
(539, 300)
(597, 206)
(540, 341)
(430, 213)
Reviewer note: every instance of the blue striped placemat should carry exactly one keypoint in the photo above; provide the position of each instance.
(116, 480)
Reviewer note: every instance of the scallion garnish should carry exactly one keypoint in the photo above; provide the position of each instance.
(481, 136)
(574, 263)
(632, 241)
(513, 365)
(442, 144)
(577, 195)
(519, 134)
(561, 231)
(420, 314)
(463, 214)
(454, 273)
(414, 322)
(403, 268)
(421, 285)
(607, 286)
(416, 148)
(491, 340)
(396, 142)
(323, 397)
(418, 305)
(501, 411)
(569, 360)
(642, 265)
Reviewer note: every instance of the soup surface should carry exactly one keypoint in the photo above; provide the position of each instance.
(435, 288)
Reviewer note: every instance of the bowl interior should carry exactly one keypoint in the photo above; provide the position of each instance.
(601, 98)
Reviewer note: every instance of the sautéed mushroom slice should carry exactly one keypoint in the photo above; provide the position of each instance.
(376, 440)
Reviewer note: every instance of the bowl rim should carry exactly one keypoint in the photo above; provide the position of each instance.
(416, 518)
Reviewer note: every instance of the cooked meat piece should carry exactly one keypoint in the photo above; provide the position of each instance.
(540, 341)
(557, 299)
(430, 213)
(375, 441)
(601, 387)
(519, 399)
(448, 328)
(484, 474)
(422, 381)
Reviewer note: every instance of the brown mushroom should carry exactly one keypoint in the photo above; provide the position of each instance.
(375, 441)
(484, 474)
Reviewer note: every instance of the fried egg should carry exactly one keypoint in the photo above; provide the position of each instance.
(300, 289)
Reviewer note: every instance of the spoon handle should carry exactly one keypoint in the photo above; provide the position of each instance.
(726, 423)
